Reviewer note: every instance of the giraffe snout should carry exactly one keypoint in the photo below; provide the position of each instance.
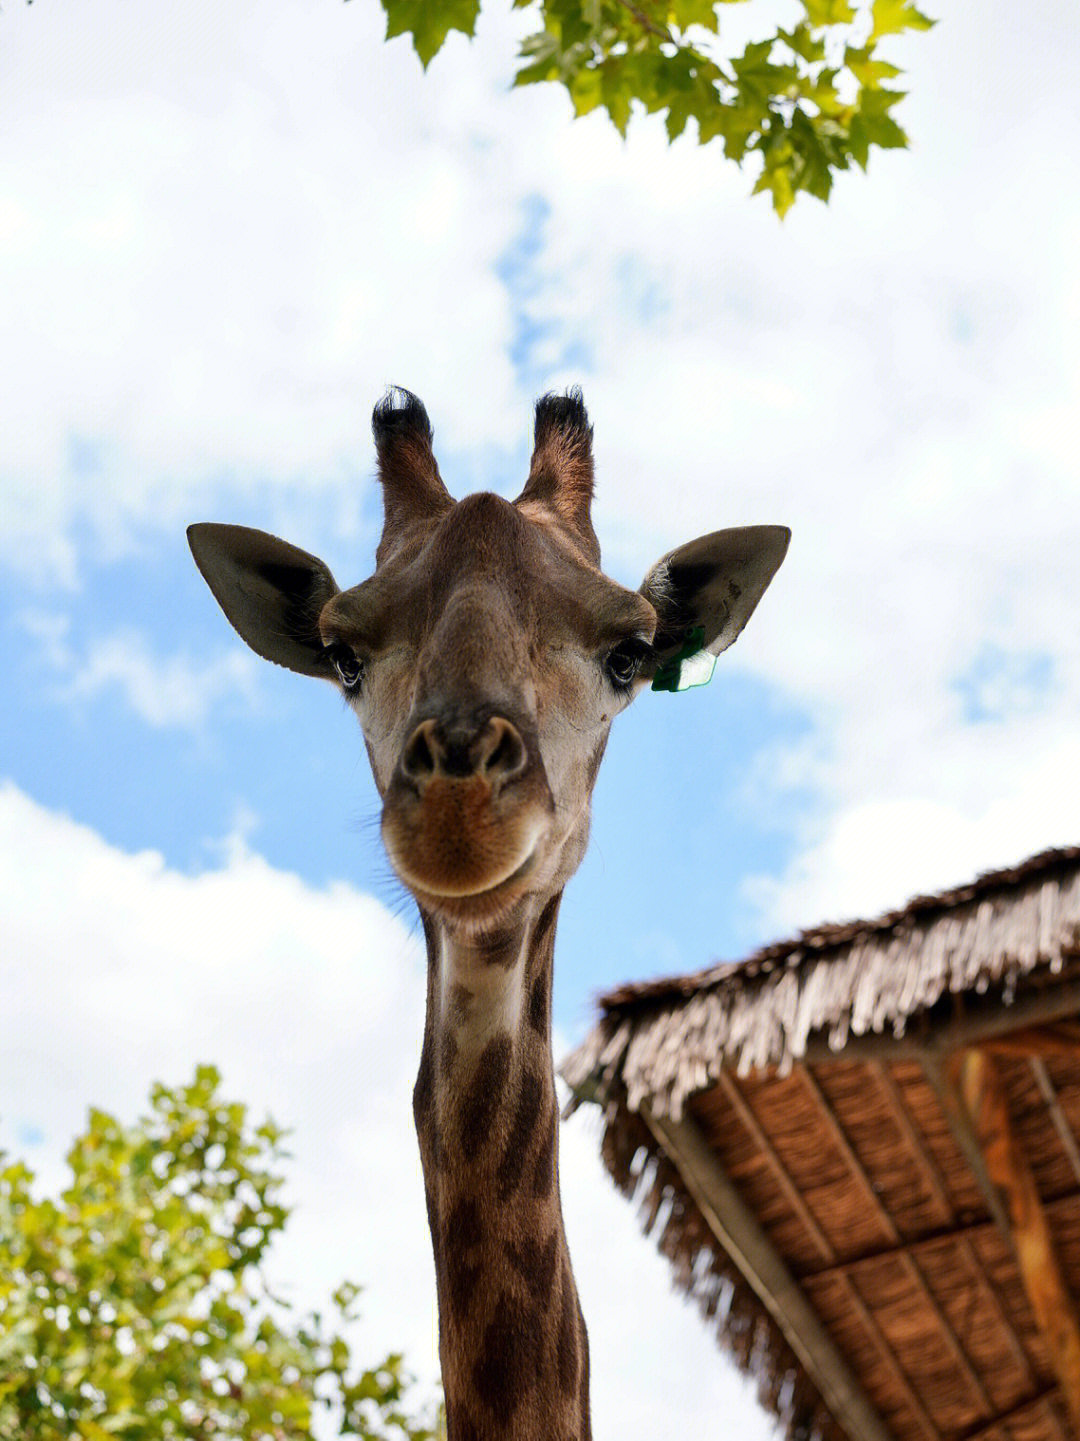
(494, 751)
(467, 808)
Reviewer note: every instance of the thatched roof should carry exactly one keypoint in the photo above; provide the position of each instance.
(669, 1038)
(794, 1126)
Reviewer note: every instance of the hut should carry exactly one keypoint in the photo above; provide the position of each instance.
(858, 1151)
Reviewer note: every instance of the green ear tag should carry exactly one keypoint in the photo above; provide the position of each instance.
(691, 666)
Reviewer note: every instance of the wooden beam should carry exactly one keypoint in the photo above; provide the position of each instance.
(986, 1103)
(1024, 1410)
(1057, 1038)
(963, 1133)
(744, 1239)
(1061, 1122)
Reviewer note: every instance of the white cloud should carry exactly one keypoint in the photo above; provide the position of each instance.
(174, 691)
(118, 970)
(218, 253)
(868, 856)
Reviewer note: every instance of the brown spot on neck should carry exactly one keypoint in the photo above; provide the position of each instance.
(483, 1096)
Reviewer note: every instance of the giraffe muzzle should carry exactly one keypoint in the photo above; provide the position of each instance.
(467, 809)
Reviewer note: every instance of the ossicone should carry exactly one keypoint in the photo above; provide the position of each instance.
(399, 413)
(561, 472)
(413, 491)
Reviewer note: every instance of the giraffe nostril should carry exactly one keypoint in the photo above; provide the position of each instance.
(499, 752)
(495, 751)
(420, 758)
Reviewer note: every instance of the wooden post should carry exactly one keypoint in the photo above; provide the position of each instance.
(1055, 1311)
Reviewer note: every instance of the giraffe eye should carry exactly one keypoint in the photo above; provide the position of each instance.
(622, 662)
(349, 666)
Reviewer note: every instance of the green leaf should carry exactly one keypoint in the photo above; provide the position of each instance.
(878, 126)
(616, 97)
(585, 91)
(541, 51)
(892, 16)
(828, 12)
(678, 113)
(804, 43)
(866, 68)
(684, 13)
(777, 180)
(429, 22)
(821, 92)
(812, 170)
(778, 175)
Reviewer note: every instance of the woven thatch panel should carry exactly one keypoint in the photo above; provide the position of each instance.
(899, 1186)
(916, 1340)
(1065, 1077)
(750, 1169)
(1050, 1162)
(1067, 1241)
(975, 1316)
(965, 1199)
(999, 1266)
(886, 1386)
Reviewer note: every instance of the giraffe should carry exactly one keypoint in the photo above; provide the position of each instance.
(486, 658)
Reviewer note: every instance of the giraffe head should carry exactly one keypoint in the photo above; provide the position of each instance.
(487, 655)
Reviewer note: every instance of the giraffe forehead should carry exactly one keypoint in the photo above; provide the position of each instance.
(512, 569)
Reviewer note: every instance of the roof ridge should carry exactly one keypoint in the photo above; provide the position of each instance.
(833, 935)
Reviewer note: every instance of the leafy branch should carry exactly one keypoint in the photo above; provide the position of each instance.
(133, 1308)
(807, 102)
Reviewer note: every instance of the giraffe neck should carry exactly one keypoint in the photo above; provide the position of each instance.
(511, 1336)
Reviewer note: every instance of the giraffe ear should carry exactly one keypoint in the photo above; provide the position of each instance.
(712, 585)
(271, 593)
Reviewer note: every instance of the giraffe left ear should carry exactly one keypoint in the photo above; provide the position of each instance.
(712, 585)
(271, 593)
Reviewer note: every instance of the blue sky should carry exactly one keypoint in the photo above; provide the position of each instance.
(221, 235)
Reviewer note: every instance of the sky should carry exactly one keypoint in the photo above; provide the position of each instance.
(223, 231)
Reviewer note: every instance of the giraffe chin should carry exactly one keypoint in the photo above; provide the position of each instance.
(465, 849)
(470, 888)
(478, 911)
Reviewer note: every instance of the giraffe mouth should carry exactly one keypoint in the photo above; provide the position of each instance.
(460, 849)
(493, 897)
(439, 889)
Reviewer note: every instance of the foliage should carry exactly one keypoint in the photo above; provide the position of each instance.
(134, 1309)
(808, 101)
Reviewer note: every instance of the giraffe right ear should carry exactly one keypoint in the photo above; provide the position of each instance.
(271, 593)
(711, 586)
